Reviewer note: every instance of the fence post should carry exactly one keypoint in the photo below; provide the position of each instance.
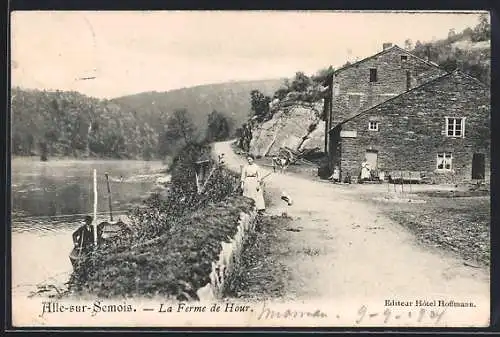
(95, 208)
(402, 182)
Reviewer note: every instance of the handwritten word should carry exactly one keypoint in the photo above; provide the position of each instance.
(267, 313)
(419, 315)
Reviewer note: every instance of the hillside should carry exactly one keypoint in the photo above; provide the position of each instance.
(469, 51)
(67, 123)
(231, 98)
(63, 123)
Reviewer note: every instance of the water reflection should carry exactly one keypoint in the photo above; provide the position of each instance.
(66, 187)
(43, 193)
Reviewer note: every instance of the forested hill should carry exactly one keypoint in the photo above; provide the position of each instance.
(232, 99)
(468, 50)
(62, 123)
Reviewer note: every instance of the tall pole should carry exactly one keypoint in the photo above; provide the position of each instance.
(109, 198)
(402, 181)
(95, 208)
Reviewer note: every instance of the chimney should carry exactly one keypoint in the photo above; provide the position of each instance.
(408, 80)
(386, 45)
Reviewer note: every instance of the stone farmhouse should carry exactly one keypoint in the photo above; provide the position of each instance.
(405, 115)
(373, 80)
(439, 130)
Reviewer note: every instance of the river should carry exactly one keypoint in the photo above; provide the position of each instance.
(48, 200)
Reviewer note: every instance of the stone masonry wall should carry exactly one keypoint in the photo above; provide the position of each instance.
(224, 269)
(352, 90)
(412, 131)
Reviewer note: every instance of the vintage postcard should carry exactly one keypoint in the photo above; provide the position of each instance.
(250, 169)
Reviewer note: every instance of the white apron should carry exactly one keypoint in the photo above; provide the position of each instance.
(250, 176)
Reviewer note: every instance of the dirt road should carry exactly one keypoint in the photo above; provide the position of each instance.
(346, 249)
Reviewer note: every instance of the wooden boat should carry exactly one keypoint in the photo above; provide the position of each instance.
(76, 257)
(106, 231)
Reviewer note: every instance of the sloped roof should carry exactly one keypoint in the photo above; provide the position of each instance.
(394, 47)
(438, 79)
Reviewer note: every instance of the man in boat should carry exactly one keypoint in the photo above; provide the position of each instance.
(83, 237)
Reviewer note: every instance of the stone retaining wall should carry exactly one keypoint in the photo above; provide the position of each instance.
(223, 270)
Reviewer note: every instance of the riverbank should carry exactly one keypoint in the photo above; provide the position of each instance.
(174, 239)
(49, 200)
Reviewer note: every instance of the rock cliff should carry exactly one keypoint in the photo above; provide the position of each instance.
(294, 124)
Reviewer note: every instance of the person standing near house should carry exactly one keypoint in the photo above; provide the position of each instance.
(365, 170)
(251, 183)
(335, 177)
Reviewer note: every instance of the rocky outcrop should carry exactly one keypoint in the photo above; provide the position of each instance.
(315, 139)
(296, 125)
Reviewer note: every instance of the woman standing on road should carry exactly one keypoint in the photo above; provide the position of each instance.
(251, 183)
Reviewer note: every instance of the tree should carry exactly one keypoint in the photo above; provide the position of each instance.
(281, 93)
(300, 83)
(408, 44)
(177, 132)
(43, 150)
(260, 103)
(449, 64)
(179, 125)
(468, 32)
(218, 127)
(322, 74)
(482, 32)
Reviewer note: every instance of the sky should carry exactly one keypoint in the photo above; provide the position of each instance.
(130, 52)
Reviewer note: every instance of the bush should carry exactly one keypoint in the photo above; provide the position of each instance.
(174, 240)
(183, 198)
(176, 264)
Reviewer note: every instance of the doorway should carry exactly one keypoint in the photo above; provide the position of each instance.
(478, 167)
(372, 158)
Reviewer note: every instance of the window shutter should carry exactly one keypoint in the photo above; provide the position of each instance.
(445, 126)
(463, 127)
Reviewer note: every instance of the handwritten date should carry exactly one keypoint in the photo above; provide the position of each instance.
(420, 316)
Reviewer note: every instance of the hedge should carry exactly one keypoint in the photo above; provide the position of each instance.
(176, 264)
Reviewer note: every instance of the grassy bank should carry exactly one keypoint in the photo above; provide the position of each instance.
(173, 240)
(175, 264)
(262, 276)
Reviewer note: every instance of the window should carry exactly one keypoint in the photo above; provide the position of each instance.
(354, 101)
(455, 127)
(373, 125)
(444, 161)
(336, 89)
(373, 75)
(404, 58)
